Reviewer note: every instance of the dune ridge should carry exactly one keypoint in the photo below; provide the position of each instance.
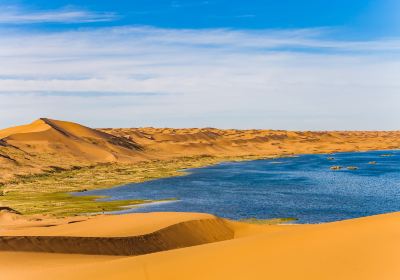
(178, 235)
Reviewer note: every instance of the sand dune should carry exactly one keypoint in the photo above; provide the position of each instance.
(118, 235)
(365, 248)
(46, 144)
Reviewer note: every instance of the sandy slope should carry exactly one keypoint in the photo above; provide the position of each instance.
(365, 248)
(46, 144)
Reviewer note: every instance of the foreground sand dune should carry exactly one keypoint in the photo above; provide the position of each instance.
(119, 235)
(364, 248)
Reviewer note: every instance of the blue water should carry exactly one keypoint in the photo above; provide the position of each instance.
(302, 187)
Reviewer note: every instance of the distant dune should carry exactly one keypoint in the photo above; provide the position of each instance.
(365, 248)
(47, 145)
(233, 142)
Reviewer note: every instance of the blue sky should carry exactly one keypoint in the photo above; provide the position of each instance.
(290, 64)
(357, 17)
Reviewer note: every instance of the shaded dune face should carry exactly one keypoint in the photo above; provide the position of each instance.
(180, 235)
(125, 235)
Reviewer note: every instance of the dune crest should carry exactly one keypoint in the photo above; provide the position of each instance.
(118, 235)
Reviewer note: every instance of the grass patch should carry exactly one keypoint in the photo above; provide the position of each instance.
(62, 204)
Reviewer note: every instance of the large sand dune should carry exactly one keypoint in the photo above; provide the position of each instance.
(46, 144)
(364, 248)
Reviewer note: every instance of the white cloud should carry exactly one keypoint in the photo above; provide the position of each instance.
(289, 79)
(17, 15)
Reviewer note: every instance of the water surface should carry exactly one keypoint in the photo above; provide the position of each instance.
(302, 187)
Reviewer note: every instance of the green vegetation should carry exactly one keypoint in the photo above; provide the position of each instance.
(49, 192)
(61, 204)
(275, 221)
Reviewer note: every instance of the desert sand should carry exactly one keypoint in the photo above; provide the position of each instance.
(42, 161)
(364, 248)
